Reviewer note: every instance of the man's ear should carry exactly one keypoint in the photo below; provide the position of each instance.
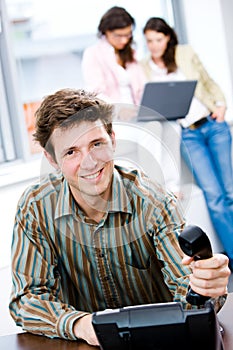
(51, 160)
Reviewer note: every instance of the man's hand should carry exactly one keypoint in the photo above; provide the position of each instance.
(209, 276)
(83, 329)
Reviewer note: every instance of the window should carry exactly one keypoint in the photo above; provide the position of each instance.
(11, 124)
(47, 39)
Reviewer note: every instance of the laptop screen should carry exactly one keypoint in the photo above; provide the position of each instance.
(162, 326)
(168, 100)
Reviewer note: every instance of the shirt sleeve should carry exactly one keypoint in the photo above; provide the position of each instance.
(166, 223)
(206, 85)
(36, 299)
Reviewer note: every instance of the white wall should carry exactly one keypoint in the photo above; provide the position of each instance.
(206, 32)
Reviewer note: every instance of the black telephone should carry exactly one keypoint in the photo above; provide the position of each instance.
(194, 242)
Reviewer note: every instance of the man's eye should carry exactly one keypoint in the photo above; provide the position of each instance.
(70, 152)
(98, 144)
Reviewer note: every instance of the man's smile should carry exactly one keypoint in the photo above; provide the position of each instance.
(92, 176)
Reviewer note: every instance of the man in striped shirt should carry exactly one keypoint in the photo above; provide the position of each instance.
(93, 235)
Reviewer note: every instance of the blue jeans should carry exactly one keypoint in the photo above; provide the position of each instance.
(207, 153)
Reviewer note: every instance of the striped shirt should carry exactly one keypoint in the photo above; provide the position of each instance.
(65, 265)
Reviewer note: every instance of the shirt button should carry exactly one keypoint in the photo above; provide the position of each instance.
(106, 278)
(65, 335)
(101, 255)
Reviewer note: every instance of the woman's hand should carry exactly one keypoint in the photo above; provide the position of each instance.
(219, 113)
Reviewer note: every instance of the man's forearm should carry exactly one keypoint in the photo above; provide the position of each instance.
(40, 315)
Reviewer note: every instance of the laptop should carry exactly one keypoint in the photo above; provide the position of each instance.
(168, 100)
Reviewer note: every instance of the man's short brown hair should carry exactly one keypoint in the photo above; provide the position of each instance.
(68, 107)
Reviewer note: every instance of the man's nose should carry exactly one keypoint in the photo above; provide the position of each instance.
(88, 161)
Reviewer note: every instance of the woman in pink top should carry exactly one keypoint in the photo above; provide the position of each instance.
(110, 67)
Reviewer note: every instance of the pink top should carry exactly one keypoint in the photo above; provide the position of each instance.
(101, 73)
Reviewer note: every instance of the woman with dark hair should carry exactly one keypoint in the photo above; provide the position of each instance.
(165, 68)
(206, 138)
(110, 67)
(118, 18)
(168, 40)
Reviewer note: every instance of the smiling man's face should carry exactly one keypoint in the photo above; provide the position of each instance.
(84, 154)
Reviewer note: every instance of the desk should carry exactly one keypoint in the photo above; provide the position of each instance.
(26, 341)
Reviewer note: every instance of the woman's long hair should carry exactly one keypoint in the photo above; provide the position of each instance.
(118, 18)
(159, 25)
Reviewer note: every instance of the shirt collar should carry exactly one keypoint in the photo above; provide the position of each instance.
(119, 202)
(65, 202)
